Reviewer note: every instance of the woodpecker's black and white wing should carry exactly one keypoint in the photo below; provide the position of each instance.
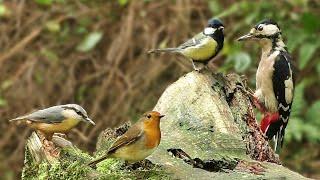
(283, 87)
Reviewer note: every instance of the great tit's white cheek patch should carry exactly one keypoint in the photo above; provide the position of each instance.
(209, 30)
(270, 29)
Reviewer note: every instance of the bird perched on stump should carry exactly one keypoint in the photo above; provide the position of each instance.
(56, 119)
(138, 142)
(202, 47)
(274, 80)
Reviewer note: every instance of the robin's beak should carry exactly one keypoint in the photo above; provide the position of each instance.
(245, 37)
(161, 116)
(88, 120)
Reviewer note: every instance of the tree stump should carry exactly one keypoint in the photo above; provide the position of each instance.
(209, 131)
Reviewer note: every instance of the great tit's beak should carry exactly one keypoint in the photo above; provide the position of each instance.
(161, 116)
(88, 120)
(221, 28)
(245, 37)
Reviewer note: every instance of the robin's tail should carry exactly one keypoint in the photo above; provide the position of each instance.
(163, 50)
(94, 162)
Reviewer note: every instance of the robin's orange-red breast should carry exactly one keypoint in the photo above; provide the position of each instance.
(138, 142)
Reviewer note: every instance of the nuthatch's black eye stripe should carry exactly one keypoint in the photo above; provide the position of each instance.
(77, 111)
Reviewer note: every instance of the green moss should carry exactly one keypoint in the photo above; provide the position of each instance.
(72, 165)
(115, 169)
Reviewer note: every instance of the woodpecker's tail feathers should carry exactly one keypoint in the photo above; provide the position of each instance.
(163, 50)
(278, 140)
(96, 161)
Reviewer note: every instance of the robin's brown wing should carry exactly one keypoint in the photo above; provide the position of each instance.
(132, 135)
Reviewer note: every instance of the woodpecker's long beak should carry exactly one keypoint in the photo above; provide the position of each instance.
(88, 120)
(161, 116)
(245, 37)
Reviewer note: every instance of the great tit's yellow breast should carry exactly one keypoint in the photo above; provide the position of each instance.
(203, 51)
(63, 126)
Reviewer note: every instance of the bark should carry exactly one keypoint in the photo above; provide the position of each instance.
(209, 131)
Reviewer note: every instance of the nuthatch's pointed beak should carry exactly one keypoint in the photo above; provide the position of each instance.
(88, 120)
(161, 116)
(245, 37)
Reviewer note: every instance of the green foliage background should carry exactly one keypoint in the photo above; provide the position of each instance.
(76, 39)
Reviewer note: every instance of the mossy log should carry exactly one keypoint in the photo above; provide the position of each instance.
(209, 131)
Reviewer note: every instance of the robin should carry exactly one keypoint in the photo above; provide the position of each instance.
(138, 142)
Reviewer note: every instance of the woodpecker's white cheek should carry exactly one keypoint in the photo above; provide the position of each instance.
(270, 29)
(209, 30)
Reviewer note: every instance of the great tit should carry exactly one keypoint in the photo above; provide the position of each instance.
(202, 47)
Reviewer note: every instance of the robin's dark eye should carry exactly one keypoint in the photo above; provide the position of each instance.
(260, 28)
(149, 116)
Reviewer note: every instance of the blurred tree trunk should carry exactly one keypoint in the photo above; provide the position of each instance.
(209, 131)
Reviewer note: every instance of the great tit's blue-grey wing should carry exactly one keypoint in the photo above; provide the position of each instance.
(191, 42)
(201, 48)
(196, 40)
(49, 115)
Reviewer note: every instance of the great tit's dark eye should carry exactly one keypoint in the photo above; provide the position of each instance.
(260, 28)
(148, 116)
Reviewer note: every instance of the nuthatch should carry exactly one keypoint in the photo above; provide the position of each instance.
(56, 119)
(138, 142)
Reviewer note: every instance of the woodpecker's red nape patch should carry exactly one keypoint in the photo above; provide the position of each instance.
(267, 120)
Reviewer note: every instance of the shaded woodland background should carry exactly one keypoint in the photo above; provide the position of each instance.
(93, 52)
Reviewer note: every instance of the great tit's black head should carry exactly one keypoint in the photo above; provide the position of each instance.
(265, 29)
(77, 112)
(215, 23)
(214, 26)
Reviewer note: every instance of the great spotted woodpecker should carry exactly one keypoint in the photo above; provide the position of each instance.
(274, 80)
